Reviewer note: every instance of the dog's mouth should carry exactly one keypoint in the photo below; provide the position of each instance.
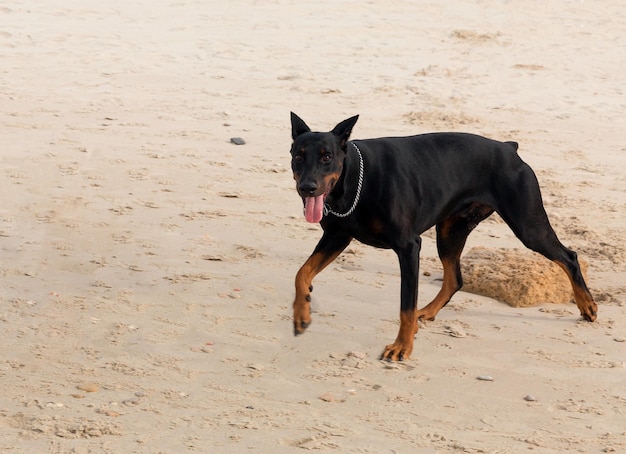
(314, 206)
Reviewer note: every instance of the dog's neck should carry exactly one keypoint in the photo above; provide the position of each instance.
(341, 202)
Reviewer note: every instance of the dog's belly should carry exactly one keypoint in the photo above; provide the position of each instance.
(375, 242)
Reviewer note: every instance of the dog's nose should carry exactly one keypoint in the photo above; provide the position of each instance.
(307, 187)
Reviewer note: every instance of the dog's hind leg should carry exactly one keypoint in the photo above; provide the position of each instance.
(523, 211)
(327, 250)
(541, 238)
(451, 236)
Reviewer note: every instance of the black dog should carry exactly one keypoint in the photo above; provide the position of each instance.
(385, 192)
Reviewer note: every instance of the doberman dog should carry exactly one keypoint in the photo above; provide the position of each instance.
(385, 192)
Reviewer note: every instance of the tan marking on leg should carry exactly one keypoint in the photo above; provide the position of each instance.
(588, 308)
(304, 278)
(402, 348)
(448, 288)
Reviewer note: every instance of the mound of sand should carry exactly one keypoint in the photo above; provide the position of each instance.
(519, 278)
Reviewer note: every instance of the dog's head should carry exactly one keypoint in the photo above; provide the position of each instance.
(317, 162)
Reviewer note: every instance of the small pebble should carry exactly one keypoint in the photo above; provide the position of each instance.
(328, 397)
(54, 405)
(237, 141)
(130, 402)
(88, 387)
(140, 394)
(530, 398)
(485, 378)
(620, 339)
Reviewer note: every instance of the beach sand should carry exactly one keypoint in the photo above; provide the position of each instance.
(147, 263)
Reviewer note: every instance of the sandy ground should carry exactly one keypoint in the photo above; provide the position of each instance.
(147, 263)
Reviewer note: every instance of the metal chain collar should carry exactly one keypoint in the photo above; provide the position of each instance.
(328, 210)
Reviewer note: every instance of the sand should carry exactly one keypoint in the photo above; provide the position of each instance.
(147, 263)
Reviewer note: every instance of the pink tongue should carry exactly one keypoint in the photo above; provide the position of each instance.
(314, 208)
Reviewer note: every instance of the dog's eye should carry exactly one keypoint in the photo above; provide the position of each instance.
(298, 158)
(327, 157)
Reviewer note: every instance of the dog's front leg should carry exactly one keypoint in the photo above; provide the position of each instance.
(409, 270)
(327, 250)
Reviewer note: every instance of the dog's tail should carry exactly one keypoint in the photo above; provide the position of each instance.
(515, 145)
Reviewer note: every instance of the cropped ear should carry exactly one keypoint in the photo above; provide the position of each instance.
(298, 126)
(343, 130)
